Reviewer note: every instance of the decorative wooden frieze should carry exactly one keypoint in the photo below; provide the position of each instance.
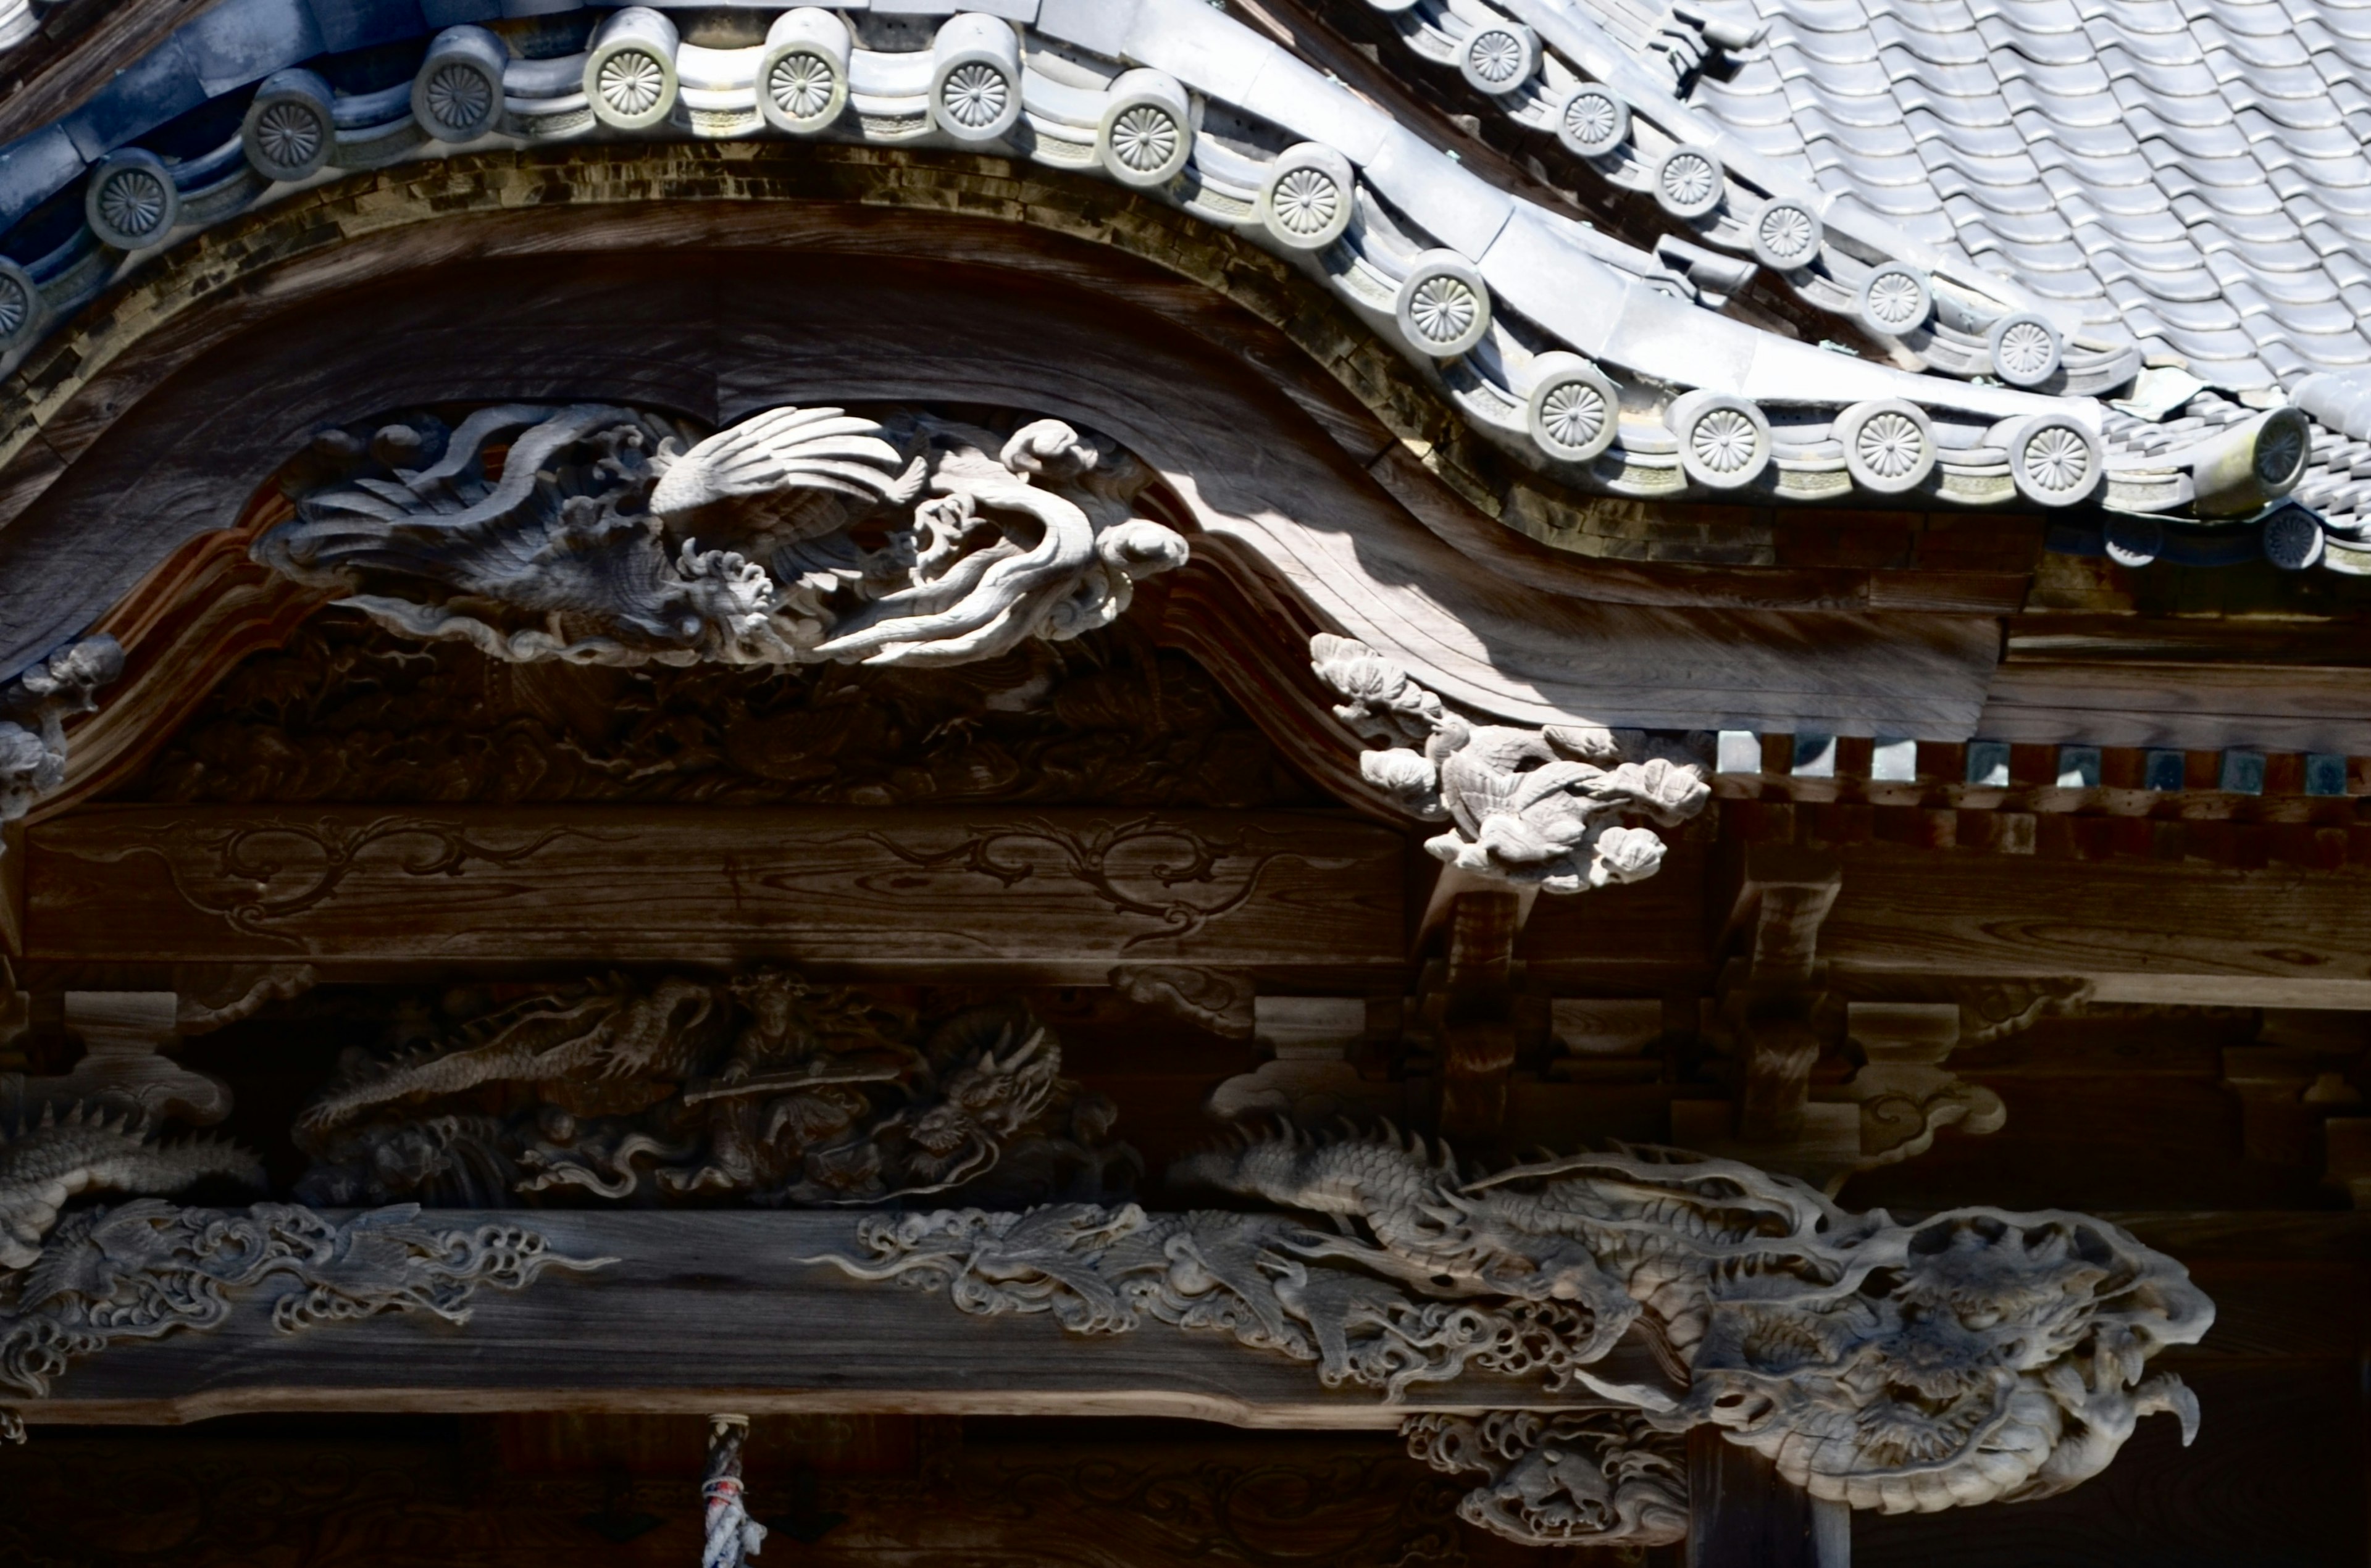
(1063, 894)
(146, 1269)
(604, 534)
(763, 1088)
(1974, 1357)
(1543, 808)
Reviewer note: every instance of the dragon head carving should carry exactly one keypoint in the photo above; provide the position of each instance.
(1980, 1356)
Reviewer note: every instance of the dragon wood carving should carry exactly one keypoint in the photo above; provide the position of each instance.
(148, 1268)
(1587, 1476)
(73, 1283)
(609, 536)
(763, 1087)
(57, 1157)
(1540, 808)
(1971, 1357)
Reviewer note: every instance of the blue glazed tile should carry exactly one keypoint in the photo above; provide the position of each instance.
(246, 41)
(2164, 771)
(2325, 774)
(1815, 757)
(159, 85)
(1988, 764)
(2079, 767)
(35, 167)
(358, 24)
(2243, 772)
(454, 13)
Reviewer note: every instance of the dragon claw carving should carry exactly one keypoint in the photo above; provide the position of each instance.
(1589, 1478)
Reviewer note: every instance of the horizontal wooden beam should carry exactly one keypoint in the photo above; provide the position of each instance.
(713, 1311)
(1057, 896)
(2174, 932)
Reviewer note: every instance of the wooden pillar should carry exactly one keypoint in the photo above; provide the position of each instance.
(1742, 1513)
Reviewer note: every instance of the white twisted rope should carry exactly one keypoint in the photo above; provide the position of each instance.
(733, 1538)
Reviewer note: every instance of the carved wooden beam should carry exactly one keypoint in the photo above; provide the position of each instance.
(1065, 895)
(709, 1310)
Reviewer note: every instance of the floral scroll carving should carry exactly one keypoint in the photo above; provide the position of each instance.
(1971, 1357)
(609, 536)
(1560, 807)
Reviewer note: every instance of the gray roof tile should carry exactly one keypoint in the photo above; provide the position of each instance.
(2191, 172)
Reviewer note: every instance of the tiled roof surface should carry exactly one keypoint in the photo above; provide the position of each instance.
(2190, 174)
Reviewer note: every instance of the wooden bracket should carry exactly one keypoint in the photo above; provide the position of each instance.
(1742, 1513)
(1785, 892)
(1477, 1014)
(1773, 997)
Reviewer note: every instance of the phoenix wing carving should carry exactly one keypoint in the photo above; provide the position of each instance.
(612, 536)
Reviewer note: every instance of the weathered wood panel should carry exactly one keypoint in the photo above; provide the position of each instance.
(704, 1311)
(2174, 932)
(1060, 893)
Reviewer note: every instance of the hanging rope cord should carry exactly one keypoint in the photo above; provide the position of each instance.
(733, 1538)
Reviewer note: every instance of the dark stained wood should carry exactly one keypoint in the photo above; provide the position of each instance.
(1055, 895)
(1742, 1513)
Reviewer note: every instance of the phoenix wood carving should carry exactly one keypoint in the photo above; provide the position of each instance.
(1975, 1356)
(604, 534)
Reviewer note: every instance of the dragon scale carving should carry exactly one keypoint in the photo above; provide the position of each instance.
(611, 536)
(1971, 1357)
(1542, 807)
(57, 1157)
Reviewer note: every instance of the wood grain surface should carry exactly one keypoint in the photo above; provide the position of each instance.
(2143, 931)
(1055, 894)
